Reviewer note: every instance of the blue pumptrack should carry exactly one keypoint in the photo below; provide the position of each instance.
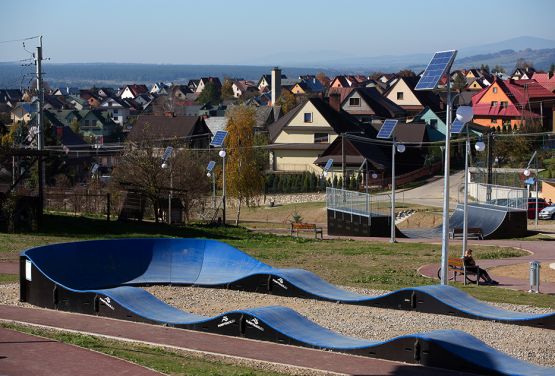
(98, 277)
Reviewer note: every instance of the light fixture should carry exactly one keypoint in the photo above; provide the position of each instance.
(208, 174)
(374, 175)
(464, 114)
(480, 146)
(401, 148)
(164, 165)
(527, 172)
(222, 153)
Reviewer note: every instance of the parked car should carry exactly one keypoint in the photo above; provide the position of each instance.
(547, 213)
(532, 207)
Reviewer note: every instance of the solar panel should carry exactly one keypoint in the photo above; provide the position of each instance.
(440, 64)
(167, 153)
(218, 139)
(94, 168)
(387, 128)
(328, 165)
(457, 126)
(210, 166)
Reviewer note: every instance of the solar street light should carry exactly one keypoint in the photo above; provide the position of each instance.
(165, 165)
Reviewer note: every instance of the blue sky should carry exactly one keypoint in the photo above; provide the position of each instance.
(243, 31)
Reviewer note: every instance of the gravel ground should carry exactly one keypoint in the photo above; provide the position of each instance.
(530, 344)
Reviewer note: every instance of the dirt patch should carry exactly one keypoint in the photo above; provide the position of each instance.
(422, 219)
(311, 212)
(522, 271)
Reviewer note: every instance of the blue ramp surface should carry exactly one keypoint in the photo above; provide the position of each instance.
(104, 264)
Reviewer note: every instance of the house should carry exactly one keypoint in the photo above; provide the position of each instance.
(180, 92)
(77, 102)
(97, 126)
(205, 80)
(402, 93)
(10, 96)
(476, 84)
(66, 91)
(364, 103)
(265, 82)
(23, 111)
(189, 131)
(523, 73)
(159, 88)
(297, 138)
(117, 109)
(308, 85)
(547, 80)
(435, 125)
(133, 91)
(92, 98)
(508, 105)
(244, 88)
(348, 81)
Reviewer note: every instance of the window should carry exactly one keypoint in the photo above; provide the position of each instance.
(504, 104)
(493, 103)
(354, 101)
(433, 123)
(308, 117)
(494, 120)
(321, 138)
(115, 111)
(495, 90)
(399, 95)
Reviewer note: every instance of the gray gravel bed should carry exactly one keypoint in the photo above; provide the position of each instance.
(530, 344)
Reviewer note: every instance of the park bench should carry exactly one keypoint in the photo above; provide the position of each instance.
(472, 233)
(456, 265)
(295, 226)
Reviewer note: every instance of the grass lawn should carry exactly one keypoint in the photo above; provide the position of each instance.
(374, 265)
(158, 358)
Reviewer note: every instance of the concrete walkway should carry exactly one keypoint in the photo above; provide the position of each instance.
(24, 354)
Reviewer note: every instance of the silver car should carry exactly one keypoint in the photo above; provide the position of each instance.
(547, 212)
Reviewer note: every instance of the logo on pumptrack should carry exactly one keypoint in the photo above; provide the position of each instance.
(225, 321)
(107, 302)
(279, 282)
(254, 323)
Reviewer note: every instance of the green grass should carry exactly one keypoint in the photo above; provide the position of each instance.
(157, 358)
(8, 278)
(373, 265)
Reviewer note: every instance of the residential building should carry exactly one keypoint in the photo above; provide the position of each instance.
(297, 138)
(402, 93)
(244, 88)
(364, 103)
(204, 80)
(133, 91)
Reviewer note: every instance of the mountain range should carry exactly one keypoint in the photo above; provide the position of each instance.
(541, 52)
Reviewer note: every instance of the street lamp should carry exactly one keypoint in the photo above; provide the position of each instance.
(464, 115)
(210, 169)
(395, 148)
(165, 164)
(527, 173)
(222, 155)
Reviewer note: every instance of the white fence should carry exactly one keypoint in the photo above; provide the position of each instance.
(359, 203)
(498, 195)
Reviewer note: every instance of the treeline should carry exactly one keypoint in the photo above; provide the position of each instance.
(306, 182)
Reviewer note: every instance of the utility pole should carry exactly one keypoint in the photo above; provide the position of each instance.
(343, 156)
(489, 180)
(40, 127)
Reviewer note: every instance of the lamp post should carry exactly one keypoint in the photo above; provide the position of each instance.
(222, 154)
(527, 173)
(165, 165)
(395, 147)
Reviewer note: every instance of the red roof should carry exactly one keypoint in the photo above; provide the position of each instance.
(519, 92)
(545, 80)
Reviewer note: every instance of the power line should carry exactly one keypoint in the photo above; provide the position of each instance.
(19, 40)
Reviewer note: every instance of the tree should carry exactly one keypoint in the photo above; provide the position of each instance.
(459, 83)
(287, 101)
(244, 180)
(210, 94)
(522, 63)
(498, 69)
(484, 68)
(140, 167)
(227, 89)
(324, 80)
(407, 73)
(74, 126)
(552, 68)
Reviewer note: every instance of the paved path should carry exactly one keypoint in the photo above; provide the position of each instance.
(431, 194)
(230, 347)
(24, 354)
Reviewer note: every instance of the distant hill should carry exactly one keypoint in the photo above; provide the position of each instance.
(542, 59)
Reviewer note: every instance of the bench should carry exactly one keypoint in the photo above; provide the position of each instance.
(456, 265)
(472, 233)
(295, 226)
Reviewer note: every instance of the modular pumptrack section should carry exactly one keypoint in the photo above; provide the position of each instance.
(495, 222)
(99, 278)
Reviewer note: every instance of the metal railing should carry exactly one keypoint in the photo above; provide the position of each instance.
(498, 195)
(359, 203)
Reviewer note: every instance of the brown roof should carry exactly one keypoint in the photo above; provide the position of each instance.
(162, 127)
(339, 121)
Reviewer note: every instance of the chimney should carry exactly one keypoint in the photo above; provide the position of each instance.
(276, 85)
(335, 101)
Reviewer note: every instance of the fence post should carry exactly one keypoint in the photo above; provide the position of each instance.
(108, 206)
